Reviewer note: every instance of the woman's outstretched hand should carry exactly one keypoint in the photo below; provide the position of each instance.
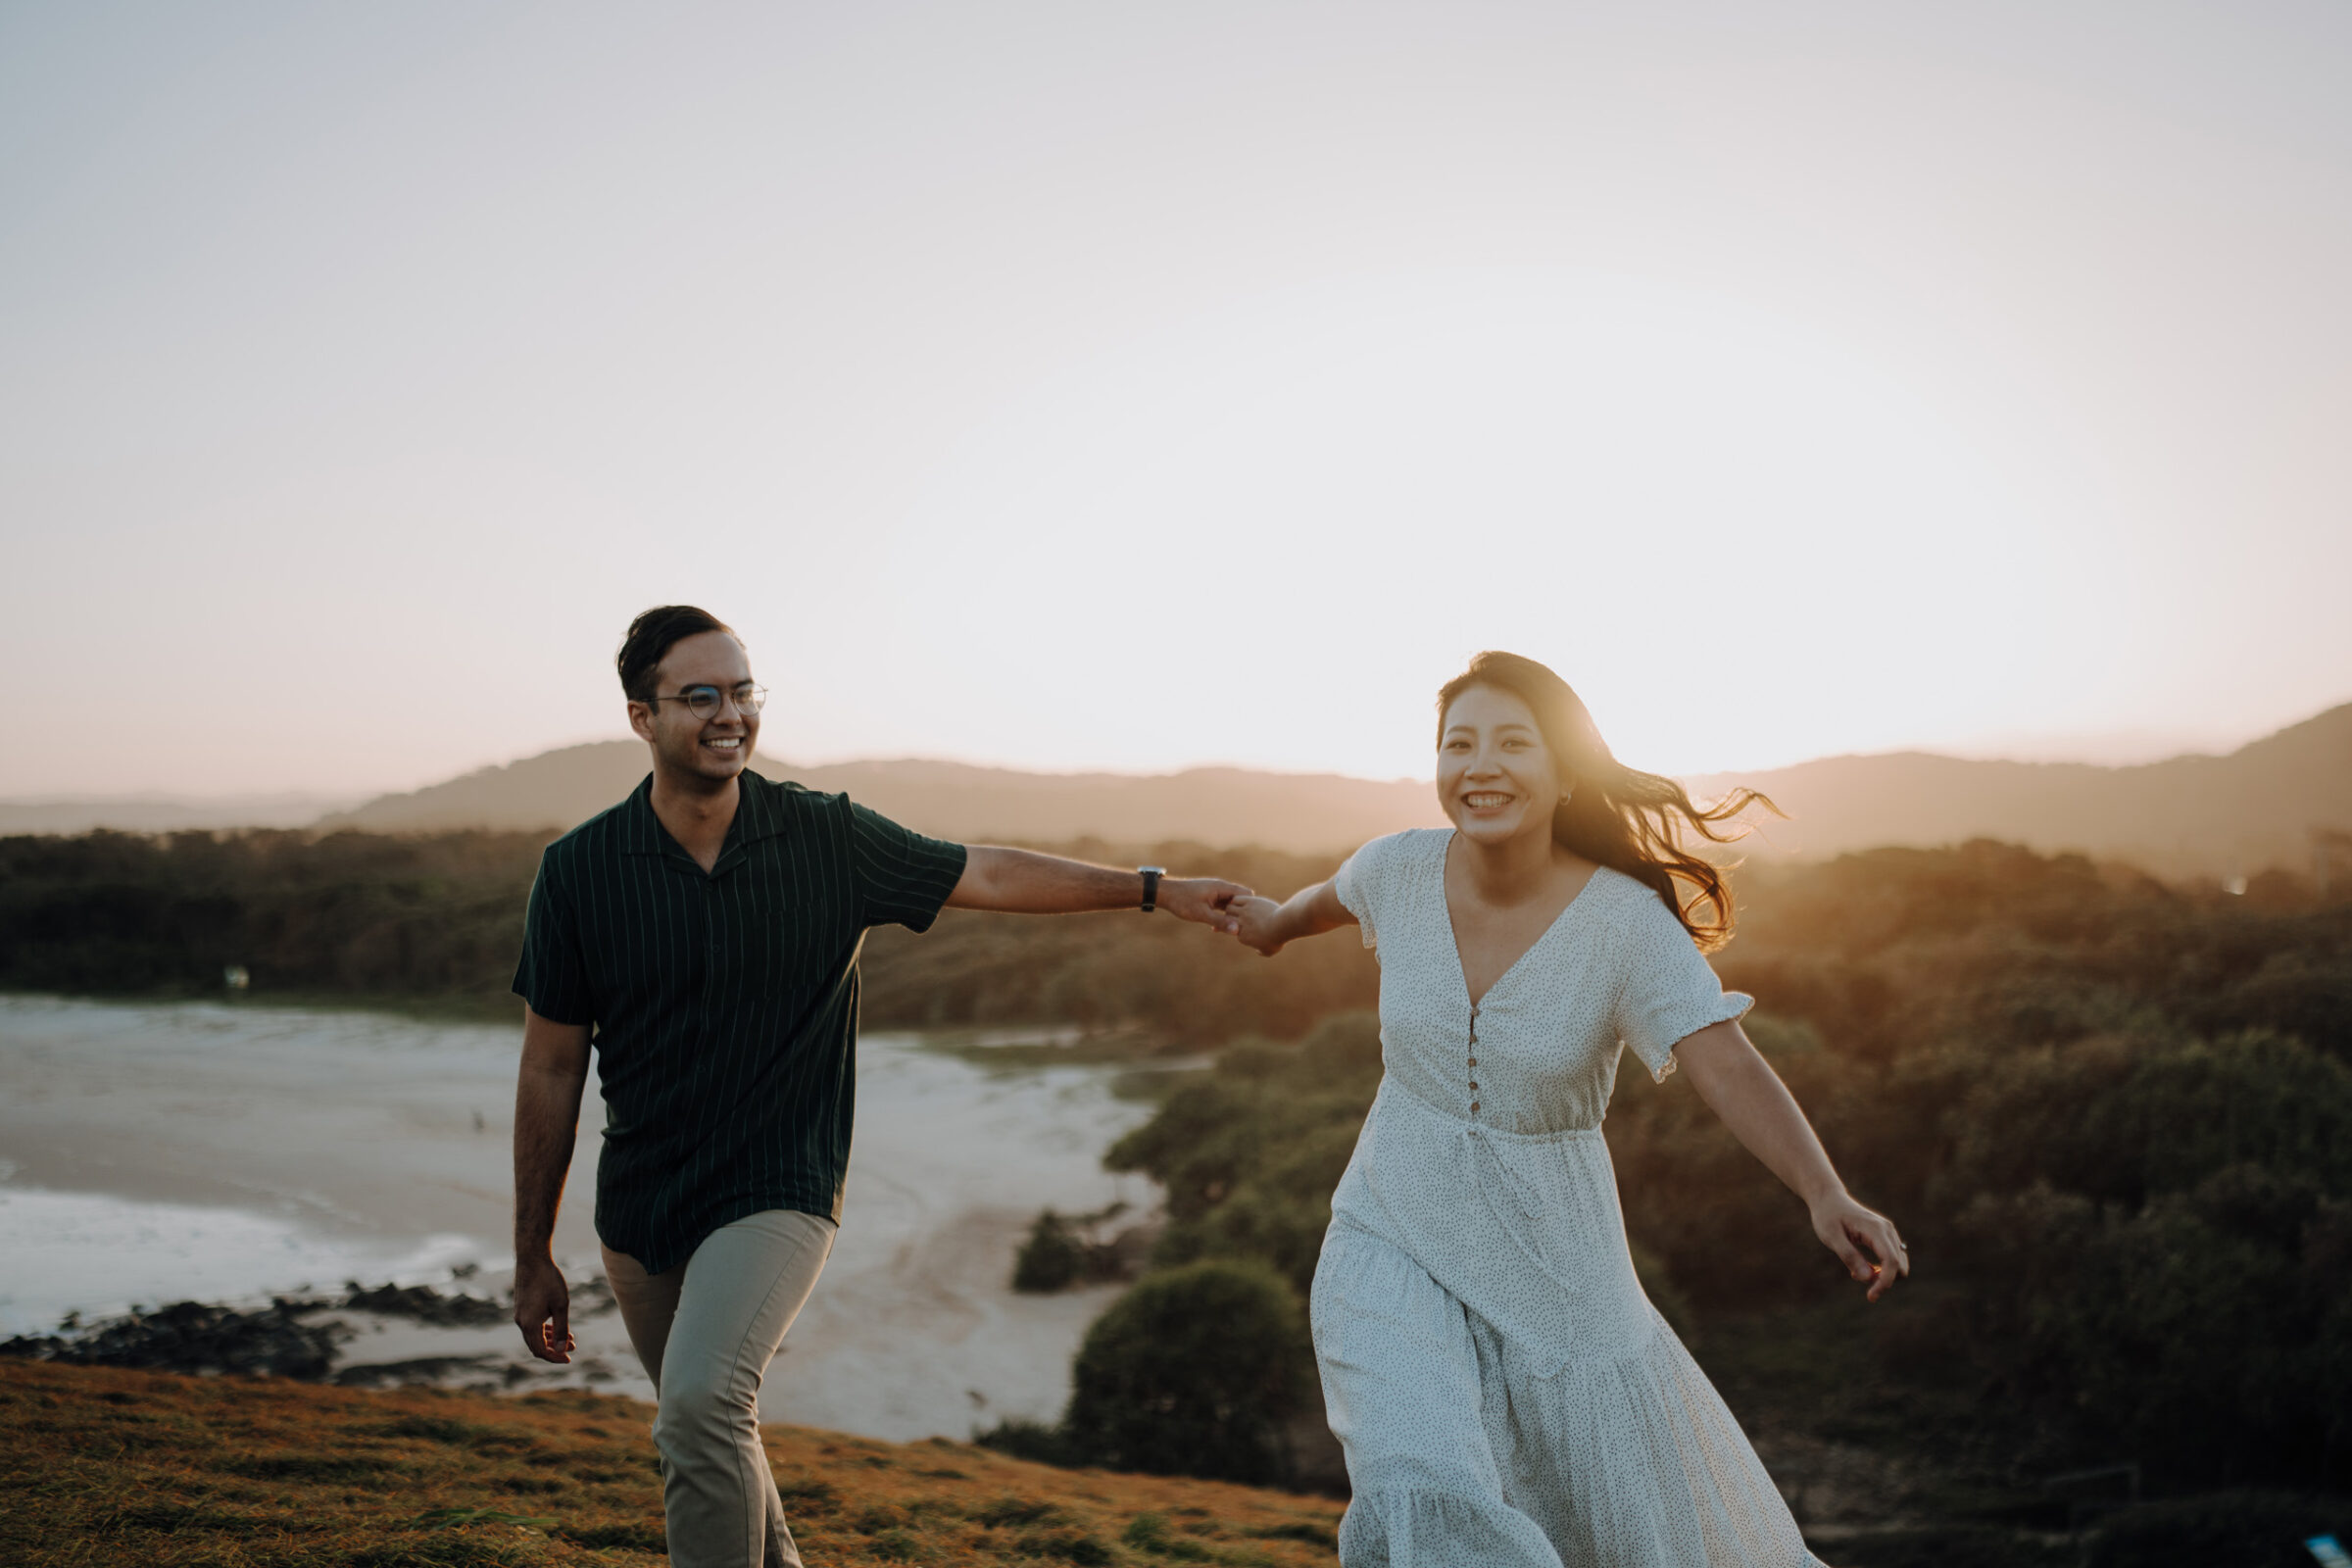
(1858, 1235)
(1254, 925)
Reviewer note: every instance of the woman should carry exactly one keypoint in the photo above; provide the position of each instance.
(1505, 1392)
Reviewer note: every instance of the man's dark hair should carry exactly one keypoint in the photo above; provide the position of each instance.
(652, 636)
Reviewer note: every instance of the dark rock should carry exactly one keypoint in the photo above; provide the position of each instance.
(421, 1304)
(191, 1337)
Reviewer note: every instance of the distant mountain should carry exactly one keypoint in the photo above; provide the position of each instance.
(1305, 811)
(2190, 816)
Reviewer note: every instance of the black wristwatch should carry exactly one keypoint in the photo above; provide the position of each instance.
(1152, 876)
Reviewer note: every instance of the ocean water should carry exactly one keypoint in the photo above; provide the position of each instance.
(220, 1152)
(98, 1255)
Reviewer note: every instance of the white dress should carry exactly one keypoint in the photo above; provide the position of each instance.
(1507, 1395)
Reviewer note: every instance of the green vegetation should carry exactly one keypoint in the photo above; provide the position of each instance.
(1202, 1369)
(349, 915)
(437, 920)
(1196, 1371)
(1065, 1250)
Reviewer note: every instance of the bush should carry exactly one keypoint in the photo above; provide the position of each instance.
(1024, 1439)
(1196, 1371)
(1051, 1259)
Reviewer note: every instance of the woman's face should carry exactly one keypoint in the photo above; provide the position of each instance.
(1496, 779)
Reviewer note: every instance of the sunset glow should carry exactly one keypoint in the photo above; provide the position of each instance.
(1072, 390)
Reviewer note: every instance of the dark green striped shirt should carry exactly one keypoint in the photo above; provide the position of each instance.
(724, 1005)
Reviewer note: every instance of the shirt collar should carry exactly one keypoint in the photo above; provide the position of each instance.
(760, 813)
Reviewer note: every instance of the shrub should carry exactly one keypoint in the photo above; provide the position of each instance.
(1196, 1371)
(1051, 1259)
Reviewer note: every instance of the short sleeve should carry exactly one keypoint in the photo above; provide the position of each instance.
(553, 976)
(901, 877)
(1360, 883)
(1666, 990)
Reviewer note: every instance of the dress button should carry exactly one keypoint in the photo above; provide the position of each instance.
(1473, 1061)
(1474, 1104)
(1474, 1086)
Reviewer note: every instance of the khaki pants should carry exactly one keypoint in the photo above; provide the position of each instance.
(706, 1332)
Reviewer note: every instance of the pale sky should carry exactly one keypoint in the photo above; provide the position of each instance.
(1079, 386)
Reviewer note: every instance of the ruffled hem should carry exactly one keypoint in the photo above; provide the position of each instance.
(1632, 1457)
(1737, 1004)
(1423, 1527)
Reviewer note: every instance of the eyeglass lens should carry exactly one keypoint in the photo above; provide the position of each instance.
(702, 701)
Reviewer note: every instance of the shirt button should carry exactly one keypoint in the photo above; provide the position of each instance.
(1474, 1104)
(1474, 1086)
(1473, 1061)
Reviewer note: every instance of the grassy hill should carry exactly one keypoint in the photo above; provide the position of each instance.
(101, 1467)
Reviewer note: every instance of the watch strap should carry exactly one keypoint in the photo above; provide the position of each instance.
(1152, 876)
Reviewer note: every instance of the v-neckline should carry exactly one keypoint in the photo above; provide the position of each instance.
(1461, 971)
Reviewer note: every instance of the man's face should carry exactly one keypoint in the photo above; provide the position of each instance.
(715, 747)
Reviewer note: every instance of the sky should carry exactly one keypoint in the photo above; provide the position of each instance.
(1081, 386)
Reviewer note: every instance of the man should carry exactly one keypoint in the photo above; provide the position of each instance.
(704, 933)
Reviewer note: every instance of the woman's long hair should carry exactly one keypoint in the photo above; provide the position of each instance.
(1618, 817)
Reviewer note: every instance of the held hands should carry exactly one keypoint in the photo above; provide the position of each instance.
(1252, 920)
(543, 1310)
(1201, 899)
(1846, 1227)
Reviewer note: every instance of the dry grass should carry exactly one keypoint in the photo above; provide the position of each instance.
(102, 1467)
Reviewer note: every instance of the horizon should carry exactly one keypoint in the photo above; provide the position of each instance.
(1067, 390)
(2140, 754)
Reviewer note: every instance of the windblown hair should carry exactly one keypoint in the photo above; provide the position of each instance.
(652, 636)
(1615, 815)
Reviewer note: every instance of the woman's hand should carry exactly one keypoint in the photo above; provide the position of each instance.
(1256, 923)
(1847, 1229)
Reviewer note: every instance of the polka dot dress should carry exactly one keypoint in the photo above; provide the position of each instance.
(1505, 1392)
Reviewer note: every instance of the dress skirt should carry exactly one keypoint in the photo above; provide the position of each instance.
(1563, 1426)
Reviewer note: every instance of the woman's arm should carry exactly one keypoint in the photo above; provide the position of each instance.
(1739, 1086)
(1310, 911)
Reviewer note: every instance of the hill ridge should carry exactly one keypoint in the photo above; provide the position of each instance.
(2273, 802)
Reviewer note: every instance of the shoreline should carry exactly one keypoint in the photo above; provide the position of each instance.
(373, 1133)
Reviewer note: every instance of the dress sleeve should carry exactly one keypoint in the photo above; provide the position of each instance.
(902, 876)
(1666, 990)
(1359, 880)
(553, 976)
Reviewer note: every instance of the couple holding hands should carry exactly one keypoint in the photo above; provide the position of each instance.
(1503, 1390)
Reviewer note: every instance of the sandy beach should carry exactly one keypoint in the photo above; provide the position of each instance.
(225, 1152)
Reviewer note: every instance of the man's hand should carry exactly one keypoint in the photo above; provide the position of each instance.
(543, 1310)
(1206, 900)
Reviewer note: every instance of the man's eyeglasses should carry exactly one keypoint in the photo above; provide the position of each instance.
(703, 701)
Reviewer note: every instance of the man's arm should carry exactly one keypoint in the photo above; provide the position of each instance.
(547, 1122)
(1024, 882)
